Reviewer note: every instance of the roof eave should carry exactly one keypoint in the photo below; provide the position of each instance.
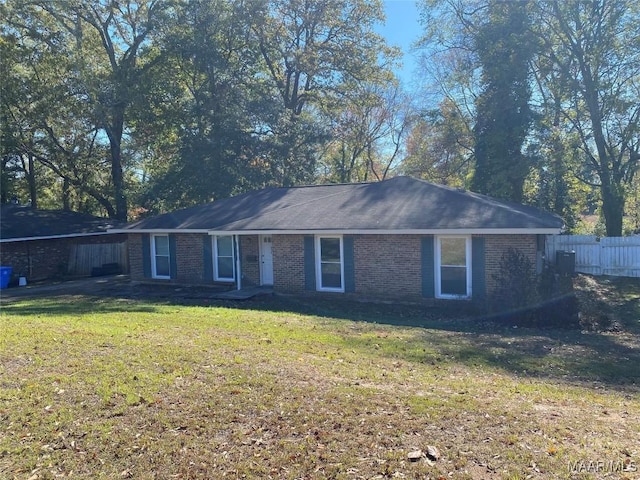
(52, 237)
(432, 231)
(158, 230)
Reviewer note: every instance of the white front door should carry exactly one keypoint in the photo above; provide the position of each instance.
(266, 260)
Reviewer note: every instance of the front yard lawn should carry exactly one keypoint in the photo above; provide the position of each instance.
(117, 388)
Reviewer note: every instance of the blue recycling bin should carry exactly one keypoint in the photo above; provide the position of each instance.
(5, 276)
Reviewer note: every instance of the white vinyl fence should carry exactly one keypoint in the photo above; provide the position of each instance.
(618, 256)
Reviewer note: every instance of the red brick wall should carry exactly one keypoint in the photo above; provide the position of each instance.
(46, 259)
(250, 261)
(190, 258)
(388, 265)
(135, 257)
(288, 263)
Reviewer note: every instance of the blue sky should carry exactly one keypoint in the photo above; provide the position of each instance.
(402, 29)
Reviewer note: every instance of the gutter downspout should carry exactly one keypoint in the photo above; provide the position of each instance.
(238, 263)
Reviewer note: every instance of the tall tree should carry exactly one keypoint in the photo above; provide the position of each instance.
(505, 49)
(367, 134)
(313, 48)
(123, 28)
(42, 140)
(594, 50)
(103, 45)
(315, 52)
(175, 102)
(585, 87)
(222, 106)
(440, 146)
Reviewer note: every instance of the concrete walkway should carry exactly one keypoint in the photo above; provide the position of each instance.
(243, 294)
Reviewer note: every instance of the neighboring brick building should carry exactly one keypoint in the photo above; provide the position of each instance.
(397, 239)
(37, 244)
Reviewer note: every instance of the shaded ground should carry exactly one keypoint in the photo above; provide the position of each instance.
(109, 379)
(606, 350)
(117, 286)
(606, 304)
(609, 303)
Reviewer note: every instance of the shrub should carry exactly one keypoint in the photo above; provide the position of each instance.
(516, 282)
(525, 299)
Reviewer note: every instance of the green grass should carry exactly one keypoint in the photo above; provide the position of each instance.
(286, 388)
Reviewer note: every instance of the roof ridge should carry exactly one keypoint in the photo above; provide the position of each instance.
(497, 202)
(341, 184)
(524, 209)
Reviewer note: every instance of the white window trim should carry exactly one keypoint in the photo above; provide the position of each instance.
(438, 279)
(216, 276)
(154, 269)
(319, 286)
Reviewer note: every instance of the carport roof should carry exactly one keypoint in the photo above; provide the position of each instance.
(19, 222)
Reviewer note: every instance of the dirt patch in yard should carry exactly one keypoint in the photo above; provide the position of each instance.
(608, 304)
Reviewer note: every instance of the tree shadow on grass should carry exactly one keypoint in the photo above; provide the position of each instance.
(606, 360)
(453, 333)
(65, 305)
(442, 334)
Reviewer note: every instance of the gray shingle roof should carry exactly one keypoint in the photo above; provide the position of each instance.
(23, 222)
(397, 204)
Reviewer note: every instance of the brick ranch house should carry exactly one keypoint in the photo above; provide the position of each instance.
(38, 244)
(401, 238)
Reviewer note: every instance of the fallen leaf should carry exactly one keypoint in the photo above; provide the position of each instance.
(432, 453)
(414, 456)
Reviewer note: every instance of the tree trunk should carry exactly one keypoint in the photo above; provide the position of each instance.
(114, 132)
(66, 197)
(31, 178)
(118, 184)
(612, 208)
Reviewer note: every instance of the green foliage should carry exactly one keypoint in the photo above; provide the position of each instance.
(505, 48)
(553, 184)
(74, 77)
(367, 134)
(314, 50)
(331, 73)
(172, 103)
(524, 298)
(209, 68)
(440, 147)
(632, 218)
(516, 282)
(589, 59)
(583, 75)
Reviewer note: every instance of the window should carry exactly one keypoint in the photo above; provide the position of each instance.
(329, 264)
(224, 259)
(160, 256)
(453, 267)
